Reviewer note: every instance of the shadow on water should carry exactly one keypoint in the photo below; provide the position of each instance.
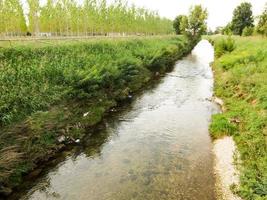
(157, 147)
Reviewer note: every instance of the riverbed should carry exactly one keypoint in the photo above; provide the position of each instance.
(157, 147)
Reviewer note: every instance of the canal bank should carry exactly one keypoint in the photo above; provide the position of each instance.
(52, 94)
(156, 148)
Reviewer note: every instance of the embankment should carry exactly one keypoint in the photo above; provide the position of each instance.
(49, 95)
(240, 80)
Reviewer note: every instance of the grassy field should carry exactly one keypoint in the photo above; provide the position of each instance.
(50, 94)
(241, 81)
(37, 42)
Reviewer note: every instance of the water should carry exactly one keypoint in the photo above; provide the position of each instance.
(157, 148)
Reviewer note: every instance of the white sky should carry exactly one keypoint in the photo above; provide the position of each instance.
(220, 11)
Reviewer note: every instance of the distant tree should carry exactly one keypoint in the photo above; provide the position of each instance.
(184, 25)
(177, 23)
(195, 24)
(34, 9)
(47, 17)
(262, 25)
(12, 20)
(80, 17)
(248, 31)
(242, 17)
(227, 30)
(210, 32)
(218, 30)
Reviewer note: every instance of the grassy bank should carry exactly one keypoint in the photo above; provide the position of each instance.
(49, 95)
(241, 81)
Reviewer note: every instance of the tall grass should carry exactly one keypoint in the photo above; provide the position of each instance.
(241, 80)
(31, 79)
(224, 45)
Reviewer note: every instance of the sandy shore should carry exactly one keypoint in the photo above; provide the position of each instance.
(225, 171)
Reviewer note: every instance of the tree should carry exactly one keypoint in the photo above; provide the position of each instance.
(80, 17)
(184, 25)
(247, 31)
(195, 24)
(262, 25)
(34, 9)
(242, 17)
(12, 18)
(227, 30)
(177, 23)
(218, 30)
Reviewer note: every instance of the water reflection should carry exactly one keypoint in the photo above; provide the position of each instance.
(157, 148)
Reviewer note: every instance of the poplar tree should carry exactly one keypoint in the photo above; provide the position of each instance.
(33, 16)
(13, 22)
(89, 17)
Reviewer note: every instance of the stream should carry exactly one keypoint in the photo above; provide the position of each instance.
(156, 148)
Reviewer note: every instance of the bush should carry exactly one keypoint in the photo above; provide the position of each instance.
(223, 46)
(247, 31)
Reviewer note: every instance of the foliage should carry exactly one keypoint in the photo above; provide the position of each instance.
(86, 18)
(218, 30)
(195, 24)
(241, 82)
(242, 17)
(262, 25)
(227, 30)
(11, 11)
(223, 46)
(248, 31)
(177, 24)
(33, 79)
(34, 8)
(184, 25)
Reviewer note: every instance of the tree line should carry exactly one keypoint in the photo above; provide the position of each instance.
(72, 18)
(244, 22)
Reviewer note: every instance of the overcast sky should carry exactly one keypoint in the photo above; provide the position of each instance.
(220, 11)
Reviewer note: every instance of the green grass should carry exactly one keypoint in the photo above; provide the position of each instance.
(45, 92)
(241, 81)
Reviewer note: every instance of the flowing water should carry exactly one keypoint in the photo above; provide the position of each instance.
(157, 148)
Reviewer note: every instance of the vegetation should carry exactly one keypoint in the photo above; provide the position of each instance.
(262, 25)
(241, 82)
(67, 18)
(243, 22)
(224, 45)
(177, 24)
(242, 18)
(11, 11)
(247, 31)
(55, 92)
(194, 25)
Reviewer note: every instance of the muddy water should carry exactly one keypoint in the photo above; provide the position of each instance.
(158, 148)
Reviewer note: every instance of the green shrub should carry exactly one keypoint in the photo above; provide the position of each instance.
(247, 31)
(223, 46)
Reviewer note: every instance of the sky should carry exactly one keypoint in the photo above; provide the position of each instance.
(220, 11)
